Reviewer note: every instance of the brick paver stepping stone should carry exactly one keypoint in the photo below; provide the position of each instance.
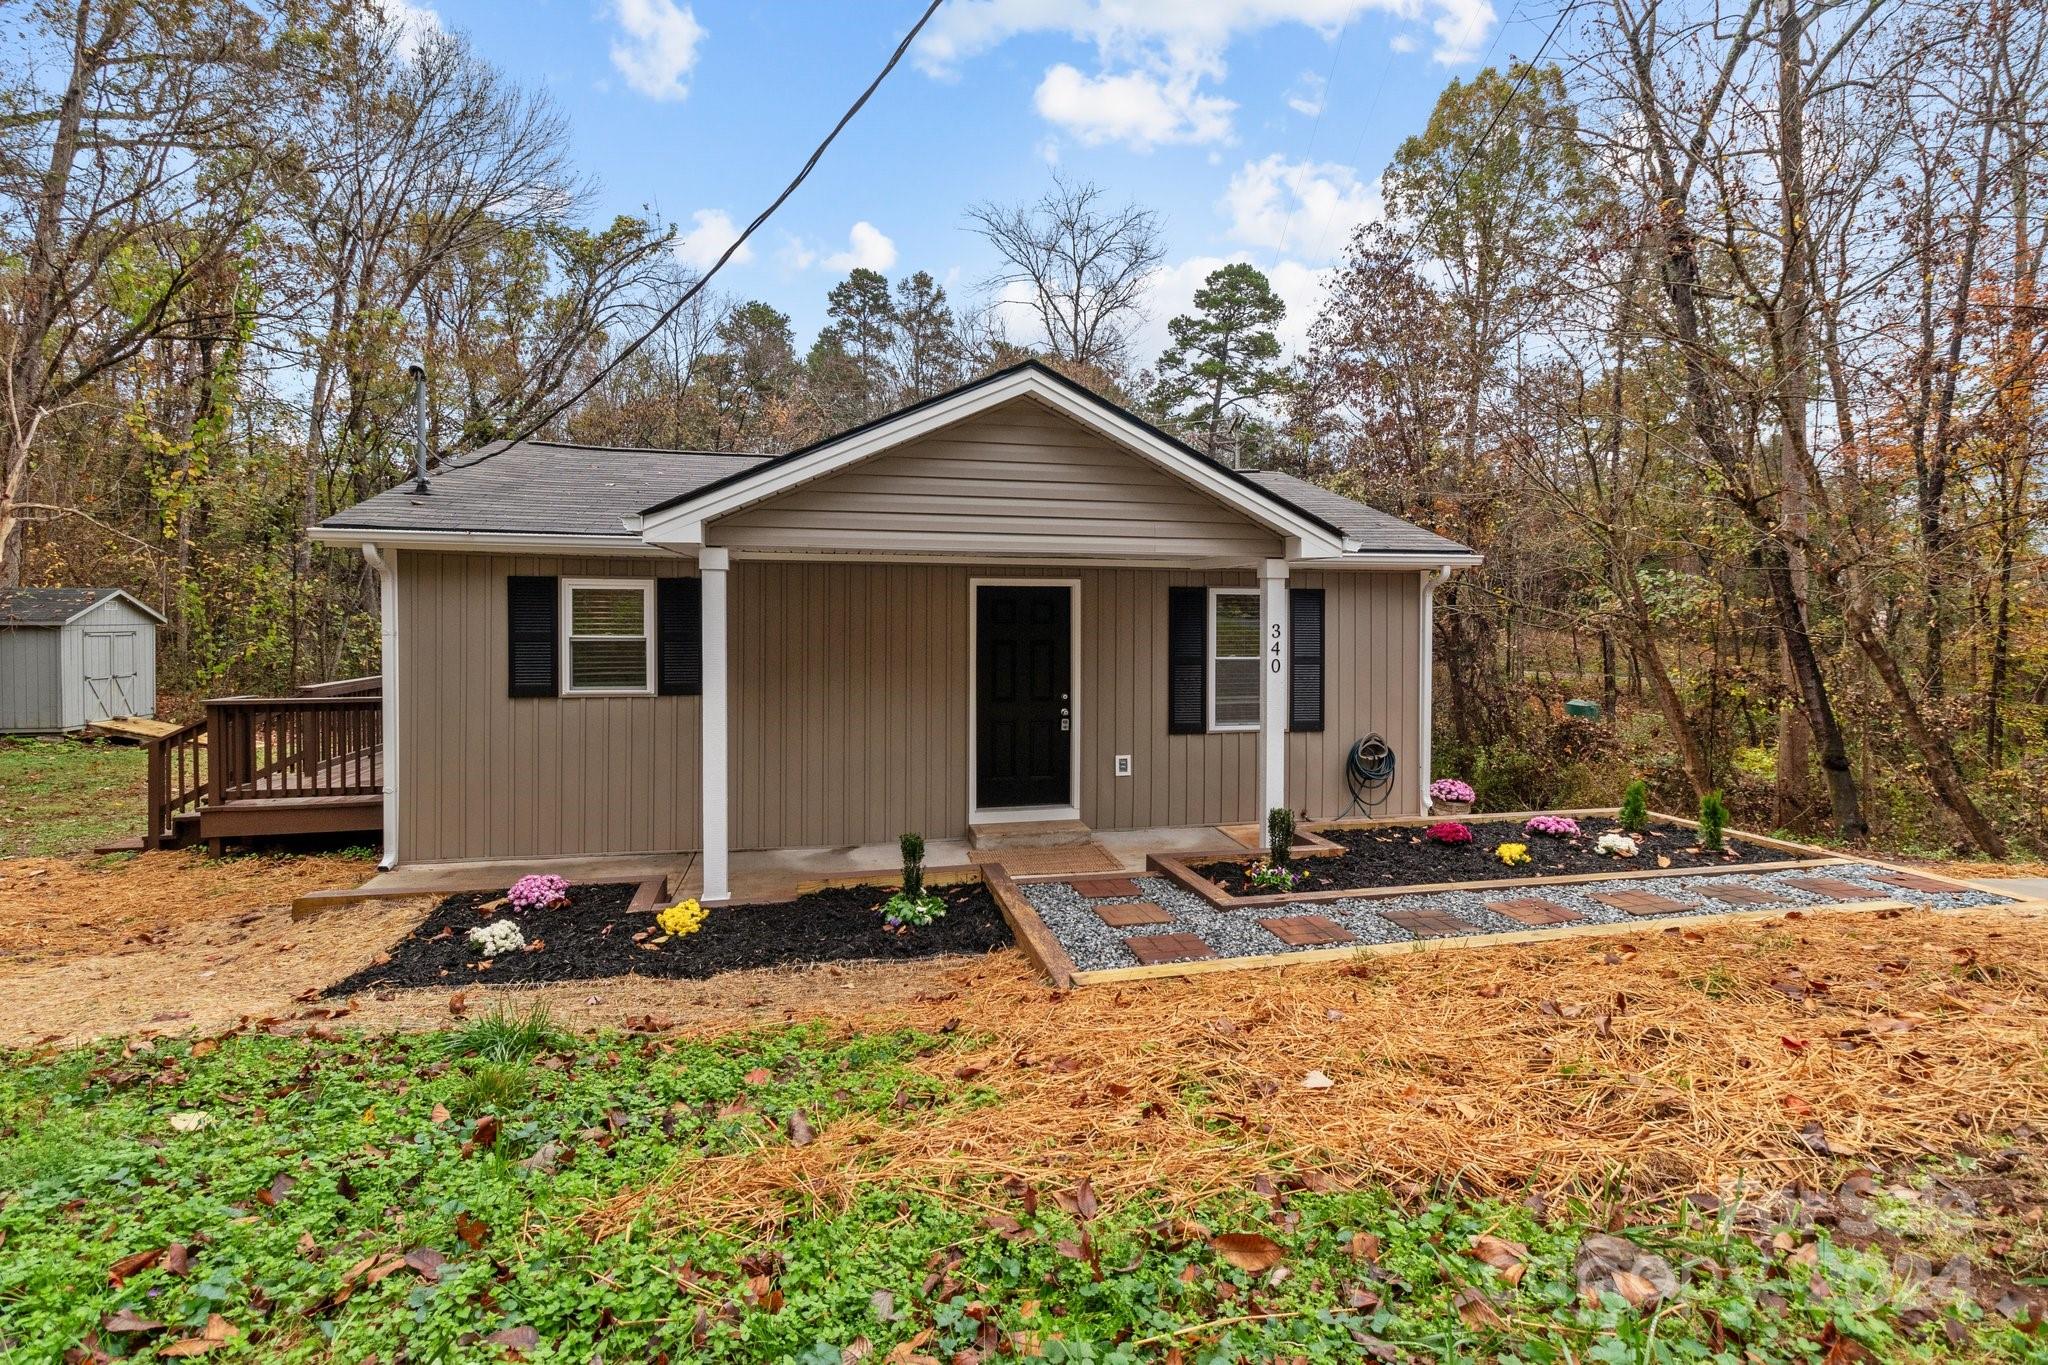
(1127, 914)
(1830, 886)
(1307, 931)
(1913, 881)
(1097, 888)
(1535, 911)
(1428, 923)
(1640, 902)
(1737, 893)
(1155, 948)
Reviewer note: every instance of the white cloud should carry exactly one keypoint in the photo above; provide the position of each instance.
(1137, 108)
(1154, 56)
(410, 24)
(1461, 28)
(1308, 207)
(659, 48)
(1402, 42)
(867, 248)
(1308, 94)
(702, 245)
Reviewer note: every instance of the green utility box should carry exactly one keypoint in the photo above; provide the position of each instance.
(1581, 709)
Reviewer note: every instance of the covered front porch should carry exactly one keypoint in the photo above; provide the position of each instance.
(846, 702)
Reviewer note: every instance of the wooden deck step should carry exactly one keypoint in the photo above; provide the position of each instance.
(1028, 834)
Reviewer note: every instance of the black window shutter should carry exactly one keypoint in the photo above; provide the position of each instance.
(1305, 661)
(533, 607)
(679, 611)
(1187, 660)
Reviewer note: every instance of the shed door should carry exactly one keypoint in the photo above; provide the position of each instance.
(111, 681)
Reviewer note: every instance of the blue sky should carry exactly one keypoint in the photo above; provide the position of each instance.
(1257, 128)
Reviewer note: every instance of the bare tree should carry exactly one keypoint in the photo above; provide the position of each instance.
(1085, 267)
(126, 182)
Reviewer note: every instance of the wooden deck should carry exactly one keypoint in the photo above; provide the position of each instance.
(258, 767)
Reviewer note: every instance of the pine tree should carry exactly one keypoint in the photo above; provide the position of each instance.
(1224, 360)
(1635, 807)
(851, 368)
(929, 356)
(1713, 820)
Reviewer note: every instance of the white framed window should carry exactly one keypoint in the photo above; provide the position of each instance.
(607, 637)
(1234, 659)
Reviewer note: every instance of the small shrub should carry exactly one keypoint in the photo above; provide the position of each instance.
(1449, 832)
(911, 845)
(541, 891)
(1513, 854)
(1268, 877)
(1279, 836)
(1450, 789)
(1552, 826)
(1713, 820)
(1635, 807)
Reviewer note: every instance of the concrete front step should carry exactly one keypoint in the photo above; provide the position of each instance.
(1028, 834)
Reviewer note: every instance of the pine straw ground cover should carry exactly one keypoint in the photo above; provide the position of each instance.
(1714, 1058)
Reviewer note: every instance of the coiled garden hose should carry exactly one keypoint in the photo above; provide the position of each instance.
(1369, 771)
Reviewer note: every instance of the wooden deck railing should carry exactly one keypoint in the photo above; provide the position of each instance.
(177, 780)
(253, 749)
(294, 746)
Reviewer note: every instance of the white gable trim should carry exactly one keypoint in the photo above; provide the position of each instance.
(124, 595)
(683, 524)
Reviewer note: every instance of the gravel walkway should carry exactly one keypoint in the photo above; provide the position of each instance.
(1237, 933)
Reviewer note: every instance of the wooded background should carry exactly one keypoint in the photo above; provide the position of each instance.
(1716, 331)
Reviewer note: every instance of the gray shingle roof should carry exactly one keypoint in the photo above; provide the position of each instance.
(544, 487)
(553, 488)
(1377, 532)
(51, 606)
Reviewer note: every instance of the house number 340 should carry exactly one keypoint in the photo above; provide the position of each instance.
(1273, 664)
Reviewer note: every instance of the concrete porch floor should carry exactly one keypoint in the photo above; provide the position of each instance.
(759, 874)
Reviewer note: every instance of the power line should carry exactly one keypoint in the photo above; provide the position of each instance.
(698, 286)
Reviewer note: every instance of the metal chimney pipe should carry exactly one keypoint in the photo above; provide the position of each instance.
(419, 427)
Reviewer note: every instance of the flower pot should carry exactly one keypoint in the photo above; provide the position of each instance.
(1448, 807)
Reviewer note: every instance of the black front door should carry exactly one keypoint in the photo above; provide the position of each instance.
(1023, 697)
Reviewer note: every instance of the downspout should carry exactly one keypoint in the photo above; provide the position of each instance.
(1431, 580)
(385, 562)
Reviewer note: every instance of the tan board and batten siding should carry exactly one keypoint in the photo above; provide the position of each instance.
(850, 711)
(1018, 479)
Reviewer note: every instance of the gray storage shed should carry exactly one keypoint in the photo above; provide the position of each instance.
(70, 657)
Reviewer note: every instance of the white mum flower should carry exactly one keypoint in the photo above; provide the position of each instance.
(502, 936)
(1616, 846)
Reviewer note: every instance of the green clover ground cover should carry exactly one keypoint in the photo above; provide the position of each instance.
(415, 1198)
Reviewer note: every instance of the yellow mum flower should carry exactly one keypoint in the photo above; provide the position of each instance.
(684, 917)
(1511, 854)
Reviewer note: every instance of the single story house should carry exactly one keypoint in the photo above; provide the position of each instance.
(72, 657)
(1013, 602)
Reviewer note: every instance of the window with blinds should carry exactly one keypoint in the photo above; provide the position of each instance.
(606, 635)
(1234, 659)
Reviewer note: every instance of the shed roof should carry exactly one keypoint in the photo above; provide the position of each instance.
(60, 606)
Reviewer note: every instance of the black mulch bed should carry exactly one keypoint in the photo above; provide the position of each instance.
(1400, 856)
(594, 936)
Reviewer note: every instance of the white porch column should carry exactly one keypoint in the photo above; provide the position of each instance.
(1273, 689)
(1427, 725)
(712, 566)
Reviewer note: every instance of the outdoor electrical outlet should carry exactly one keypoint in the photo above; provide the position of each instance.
(1123, 765)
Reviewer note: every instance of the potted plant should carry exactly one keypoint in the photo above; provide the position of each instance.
(1449, 795)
